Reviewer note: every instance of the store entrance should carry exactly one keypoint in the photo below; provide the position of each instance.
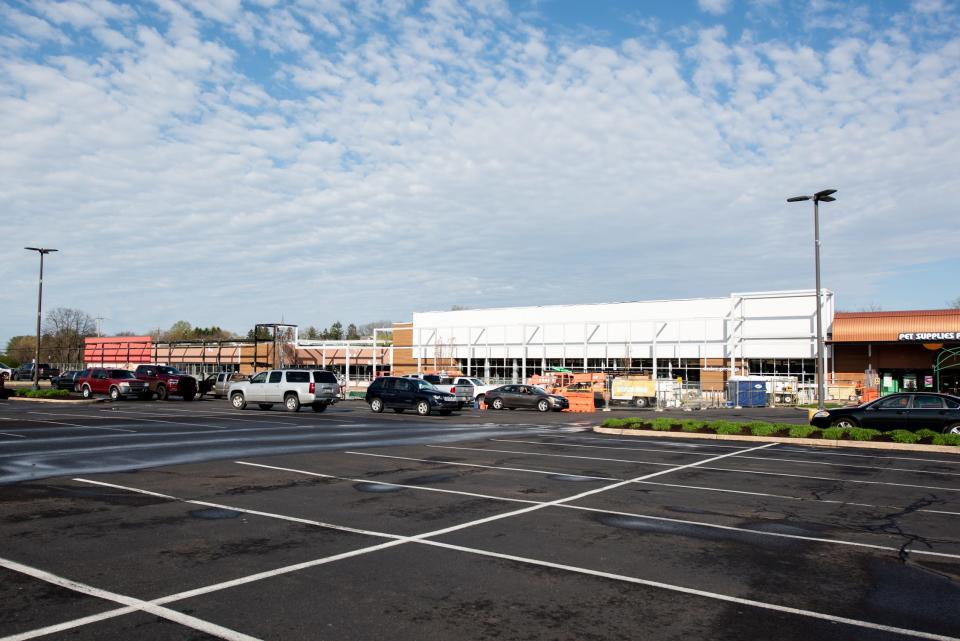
(906, 380)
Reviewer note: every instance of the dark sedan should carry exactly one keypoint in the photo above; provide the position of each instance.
(524, 397)
(910, 411)
(66, 381)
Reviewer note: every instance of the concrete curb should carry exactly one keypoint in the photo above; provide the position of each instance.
(88, 401)
(816, 442)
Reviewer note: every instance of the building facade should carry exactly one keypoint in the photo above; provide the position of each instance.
(702, 340)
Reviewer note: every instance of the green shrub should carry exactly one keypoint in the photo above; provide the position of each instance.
(660, 427)
(924, 433)
(863, 434)
(834, 433)
(764, 429)
(803, 431)
(905, 436)
(614, 422)
(727, 428)
(42, 393)
(946, 439)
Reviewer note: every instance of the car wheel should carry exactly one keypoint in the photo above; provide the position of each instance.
(162, 393)
(953, 428)
(114, 394)
(292, 403)
(238, 401)
(398, 410)
(497, 404)
(86, 392)
(264, 406)
(376, 405)
(319, 407)
(480, 399)
(844, 422)
(639, 402)
(543, 405)
(423, 408)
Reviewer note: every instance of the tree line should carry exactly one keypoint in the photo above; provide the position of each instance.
(63, 331)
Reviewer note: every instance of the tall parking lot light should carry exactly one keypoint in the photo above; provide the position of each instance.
(36, 363)
(825, 196)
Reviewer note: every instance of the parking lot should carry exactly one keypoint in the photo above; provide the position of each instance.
(487, 525)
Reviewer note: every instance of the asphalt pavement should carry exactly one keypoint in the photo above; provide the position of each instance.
(504, 525)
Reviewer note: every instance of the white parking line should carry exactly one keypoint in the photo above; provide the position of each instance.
(16, 435)
(131, 603)
(424, 539)
(755, 458)
(650, 517)
(812, 450)
(715, 469)
(91, 427)
(126, 418)
(603, 478)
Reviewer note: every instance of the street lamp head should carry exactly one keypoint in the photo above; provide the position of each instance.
(826, 199)
(797, 199)
(823, 195)
(42, 250)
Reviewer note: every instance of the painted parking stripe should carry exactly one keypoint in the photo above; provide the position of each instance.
(791, 498)
(530, 561)
(715, 469)
(126, 418)
(90, 427)
(411, 487)
(132, 604)
(650, 517)
(812, 450)
(755, 458)
(16, 435)
(489, 467)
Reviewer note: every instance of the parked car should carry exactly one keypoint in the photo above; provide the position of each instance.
(525, 397)
(116, 383)
(218, 384)
(67, 380)
(466, 388)
(166, 381)
(430, 378)
(910, 411)
(25, 372)
(401, 394)
(293, 388)
(6, 371)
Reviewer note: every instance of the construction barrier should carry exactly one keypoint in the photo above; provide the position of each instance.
(580, 401)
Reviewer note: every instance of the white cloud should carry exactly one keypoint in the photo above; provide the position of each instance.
(185, 175)
(716, 7)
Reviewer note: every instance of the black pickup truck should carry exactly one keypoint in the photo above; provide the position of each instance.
(25, 372)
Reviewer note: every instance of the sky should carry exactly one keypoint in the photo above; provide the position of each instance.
(229, 163)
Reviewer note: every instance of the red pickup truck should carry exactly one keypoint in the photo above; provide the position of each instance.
(166, 381)
(117, 383)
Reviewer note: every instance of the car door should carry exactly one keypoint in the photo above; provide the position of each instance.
(272, 392)
(889, 413)
(404, 394)
(255, 388)
(928, 411)
(98, 381)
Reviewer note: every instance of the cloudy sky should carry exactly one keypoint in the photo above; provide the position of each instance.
(229, 162)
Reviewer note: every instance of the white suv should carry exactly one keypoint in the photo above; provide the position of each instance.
(292, 387)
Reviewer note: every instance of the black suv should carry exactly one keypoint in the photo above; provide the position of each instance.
(401, 394)
(25, 372)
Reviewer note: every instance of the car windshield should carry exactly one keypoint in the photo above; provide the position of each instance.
(426, 387)
(173, 371)
(538, 391)
(476, 381)
(119, 373)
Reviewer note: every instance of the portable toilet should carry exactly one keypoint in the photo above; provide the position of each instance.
(747, 392)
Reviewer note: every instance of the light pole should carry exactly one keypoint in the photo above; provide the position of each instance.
(825, 196)
(36, 363)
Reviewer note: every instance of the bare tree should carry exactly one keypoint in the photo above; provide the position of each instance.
(63, 334)
(955, 303)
